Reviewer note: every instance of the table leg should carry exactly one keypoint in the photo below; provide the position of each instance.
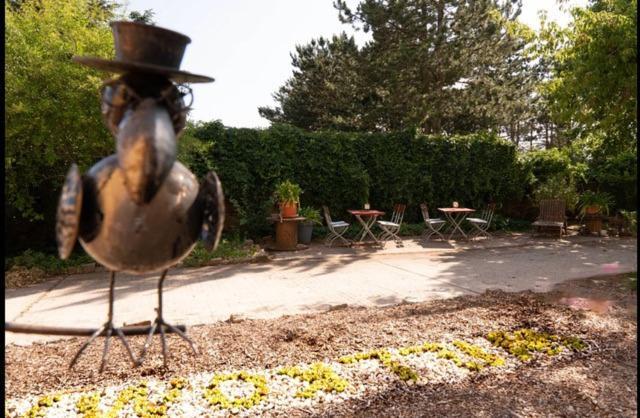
(372, 221)
(366, 225)
(456, 221)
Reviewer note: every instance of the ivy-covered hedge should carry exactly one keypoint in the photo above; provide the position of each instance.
(344, 170)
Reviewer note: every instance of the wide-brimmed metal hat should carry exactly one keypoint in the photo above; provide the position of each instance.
(146, 48)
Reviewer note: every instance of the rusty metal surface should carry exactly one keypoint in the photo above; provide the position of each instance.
(146, 49)
(125, 236)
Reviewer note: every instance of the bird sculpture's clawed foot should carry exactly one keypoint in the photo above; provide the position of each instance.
(161, 324)
(107, 330)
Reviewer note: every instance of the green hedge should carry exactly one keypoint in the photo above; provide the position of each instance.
(617, 174)
(344, 170)
(614, 173)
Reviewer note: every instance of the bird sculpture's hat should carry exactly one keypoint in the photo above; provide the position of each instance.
(146, 49)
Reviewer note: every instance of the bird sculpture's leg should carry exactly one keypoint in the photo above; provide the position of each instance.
(160, 322)
(107, 329)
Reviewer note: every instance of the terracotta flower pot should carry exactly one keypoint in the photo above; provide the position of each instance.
(289, 210)
(592, 210)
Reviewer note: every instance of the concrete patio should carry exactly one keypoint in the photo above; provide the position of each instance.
(319, 278)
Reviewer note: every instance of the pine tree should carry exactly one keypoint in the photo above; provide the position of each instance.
(443, 66)
(325, 90)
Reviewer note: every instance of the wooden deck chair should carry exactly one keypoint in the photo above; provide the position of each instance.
(434, 225)
(483, 223)
(336, 229)
(391, 228)
(552, 215)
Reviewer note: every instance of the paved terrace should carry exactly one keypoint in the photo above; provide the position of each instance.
(319, 278)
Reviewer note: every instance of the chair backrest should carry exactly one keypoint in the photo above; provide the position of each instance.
(487, 213)
(398, 213)
(552, 210)
(327, 215)
(425, 211)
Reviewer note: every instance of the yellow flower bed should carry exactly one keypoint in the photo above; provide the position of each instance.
(384, 356)
(477, 352)
(87, 405)
(40, 408)
(214, 395)
(524, 342)
(319, 376)
(444, 353)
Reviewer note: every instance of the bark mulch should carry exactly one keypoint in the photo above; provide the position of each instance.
(598, 382)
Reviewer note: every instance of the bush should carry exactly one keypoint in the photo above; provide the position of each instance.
(543, 165)
(344, 170)
(631, 221)
(228, 249)
(50, 264)
(503, 223)
(617, 174)
(558, 187)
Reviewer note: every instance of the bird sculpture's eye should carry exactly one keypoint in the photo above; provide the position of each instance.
(117, 97)
(174, 97)
(186, 95)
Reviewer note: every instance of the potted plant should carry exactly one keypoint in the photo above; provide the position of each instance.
(591, 205)
(595, 203)
(288, 196)
(305, 228)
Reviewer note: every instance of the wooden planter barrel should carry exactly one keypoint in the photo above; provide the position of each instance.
(593, 223)
(286, 233)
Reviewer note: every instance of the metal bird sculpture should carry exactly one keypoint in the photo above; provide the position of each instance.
(139, 210)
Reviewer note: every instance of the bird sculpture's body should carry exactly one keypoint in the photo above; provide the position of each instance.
(140, 211)
(149, 238)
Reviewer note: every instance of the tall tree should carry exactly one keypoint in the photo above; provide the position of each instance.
(325, 90)
(444, 65)
(439, 65)
(52, 112)
(594, 73)
(144, 17)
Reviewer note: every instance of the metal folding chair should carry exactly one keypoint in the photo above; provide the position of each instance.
(391, 228)
(483, 223)
(336, 229)
(434, 225)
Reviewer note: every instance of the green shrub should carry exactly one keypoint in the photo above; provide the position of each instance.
(544, 165)
(410, 230)
(343, 170)
(617, 174)
(228, 249)
(312, 215)
(558, 187)
(50, 264)
(503, 223)
(631, 220)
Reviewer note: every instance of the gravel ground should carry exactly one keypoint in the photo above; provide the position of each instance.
(600, 381)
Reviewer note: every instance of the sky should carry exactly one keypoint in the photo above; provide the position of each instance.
(246, 45)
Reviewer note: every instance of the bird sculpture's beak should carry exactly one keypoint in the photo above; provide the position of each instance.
(146, 149)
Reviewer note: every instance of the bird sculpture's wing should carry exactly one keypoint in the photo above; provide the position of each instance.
(213, 220)
(68, 215)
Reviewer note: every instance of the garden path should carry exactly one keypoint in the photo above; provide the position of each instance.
(315, 281)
